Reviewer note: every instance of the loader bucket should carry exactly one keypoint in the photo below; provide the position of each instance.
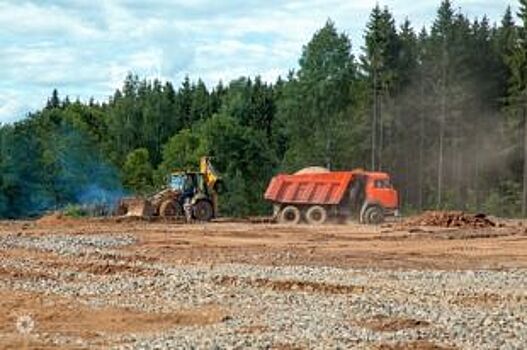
(136, 207)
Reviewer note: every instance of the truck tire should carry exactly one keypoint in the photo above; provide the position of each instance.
(289, 215)
(170, 209)
(202, 210)
(316, 215)
(374, 215)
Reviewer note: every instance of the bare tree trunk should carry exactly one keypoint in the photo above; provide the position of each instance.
(374, 122)
(440, 164)
(405, 177)
(476, 181)
(421, 145)
(329, 164)
(479, 187)
(421, 151)
(327, 134)
(442, 122)
(159, 130)
(460, 175)
(458, 160)
(524, 195)
(381, 132)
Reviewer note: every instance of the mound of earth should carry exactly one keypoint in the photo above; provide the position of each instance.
(54, 218)
(312, 170)
(451, 219)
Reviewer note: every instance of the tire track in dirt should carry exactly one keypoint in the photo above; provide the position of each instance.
(290, 285)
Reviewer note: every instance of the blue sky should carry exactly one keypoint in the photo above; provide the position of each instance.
(85, 48)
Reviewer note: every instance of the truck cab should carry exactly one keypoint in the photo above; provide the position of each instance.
(381, 198)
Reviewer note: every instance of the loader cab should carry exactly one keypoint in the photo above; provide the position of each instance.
(188, 183)
(177, 182)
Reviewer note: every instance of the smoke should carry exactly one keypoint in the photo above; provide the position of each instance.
(477, 148)
(93, 194)
(82, 174)
(98, 201)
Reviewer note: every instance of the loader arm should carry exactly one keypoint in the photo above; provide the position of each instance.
(211, 176)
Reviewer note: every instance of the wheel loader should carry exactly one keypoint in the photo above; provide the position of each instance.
(189, 194)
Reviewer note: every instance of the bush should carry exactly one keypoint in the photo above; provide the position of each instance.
(74, 211)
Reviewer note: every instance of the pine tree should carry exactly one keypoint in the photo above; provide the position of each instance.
(407, 63)
(200, 106)
(183, 103)
(505, 40)
(54, 100)
(442, 36)
(316, 106)
(518, 88)
(379, 62)
(422, 113)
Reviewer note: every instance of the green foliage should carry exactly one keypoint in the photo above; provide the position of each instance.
(240, 154)
(316, 105)
(234, 200)
(504, 201)
(179, 153)
(137, 171)
(440, 110)
(74, 211)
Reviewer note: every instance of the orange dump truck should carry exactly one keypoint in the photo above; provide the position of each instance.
(314, 195)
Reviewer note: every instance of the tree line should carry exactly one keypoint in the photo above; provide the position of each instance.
(441, 108)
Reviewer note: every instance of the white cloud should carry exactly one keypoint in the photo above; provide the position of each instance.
(29, 19)
(12, 106)
(86, 48)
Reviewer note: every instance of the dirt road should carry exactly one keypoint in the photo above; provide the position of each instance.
(68, 283)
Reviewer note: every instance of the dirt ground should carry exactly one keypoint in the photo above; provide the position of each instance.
(391, 246)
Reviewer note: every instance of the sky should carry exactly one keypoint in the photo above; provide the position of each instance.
(85, 48)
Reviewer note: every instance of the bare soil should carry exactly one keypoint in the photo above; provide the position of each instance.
(417, 345)
(383, 323)
(392, 245)
(395, 245)
(59, 316)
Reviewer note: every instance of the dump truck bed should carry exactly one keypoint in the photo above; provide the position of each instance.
(311, 188)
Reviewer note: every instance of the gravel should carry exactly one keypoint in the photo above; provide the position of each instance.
(66, 245)
(277, 306)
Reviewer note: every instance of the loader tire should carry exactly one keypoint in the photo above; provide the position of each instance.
(170, 209)
(289, 215)
(316, 215)
(374, 215)
(203, 211)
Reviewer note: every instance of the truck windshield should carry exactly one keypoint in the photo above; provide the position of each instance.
(384, 183)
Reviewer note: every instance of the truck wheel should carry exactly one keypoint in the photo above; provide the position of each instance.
(169, 208)
(289, 215)
(202, 211)
(374, 215)
(316, 215)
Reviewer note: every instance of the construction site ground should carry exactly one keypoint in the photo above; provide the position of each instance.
(128, 283)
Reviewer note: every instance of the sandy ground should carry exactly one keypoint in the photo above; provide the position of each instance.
(70, 321)
(392, 245)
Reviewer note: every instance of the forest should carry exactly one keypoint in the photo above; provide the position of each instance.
(441, 108)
